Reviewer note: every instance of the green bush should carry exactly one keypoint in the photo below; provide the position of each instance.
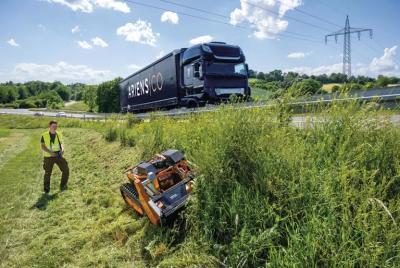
(54, 105)
(335, 88)
(369, 85)
(270, 86)
(131, 119)
(26, 104)
(126, 138)
(306, 87)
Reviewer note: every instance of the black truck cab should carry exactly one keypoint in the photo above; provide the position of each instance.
(211, 72)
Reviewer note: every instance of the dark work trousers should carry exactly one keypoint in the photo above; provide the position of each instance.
(48, 163)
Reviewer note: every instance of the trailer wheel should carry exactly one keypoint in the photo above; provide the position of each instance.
(131, 198)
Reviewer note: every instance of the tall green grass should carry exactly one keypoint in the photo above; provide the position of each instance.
(324, 194)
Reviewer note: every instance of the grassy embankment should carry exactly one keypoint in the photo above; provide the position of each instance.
(87, 226)
(267, 192)
(78, 106)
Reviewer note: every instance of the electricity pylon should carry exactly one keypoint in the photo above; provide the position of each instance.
(346, 32)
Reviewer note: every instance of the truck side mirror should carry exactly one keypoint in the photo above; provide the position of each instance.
(247, 69)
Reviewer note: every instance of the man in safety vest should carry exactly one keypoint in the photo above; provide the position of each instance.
(53, 149)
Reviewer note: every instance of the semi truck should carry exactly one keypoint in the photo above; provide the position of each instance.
(187, 77)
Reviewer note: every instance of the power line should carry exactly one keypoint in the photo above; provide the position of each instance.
(184, 14)
(194, 8)
(216, 21)
(224, 16)
(311, 15)
(315, 16)
(289, 17)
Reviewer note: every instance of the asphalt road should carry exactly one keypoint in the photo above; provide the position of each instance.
(388, 94)
(50, 114)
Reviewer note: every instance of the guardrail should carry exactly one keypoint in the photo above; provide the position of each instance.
(183, 111)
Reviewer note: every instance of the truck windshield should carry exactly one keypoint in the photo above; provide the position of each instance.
(226, 69)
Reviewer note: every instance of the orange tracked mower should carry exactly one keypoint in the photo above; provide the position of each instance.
(159, 187)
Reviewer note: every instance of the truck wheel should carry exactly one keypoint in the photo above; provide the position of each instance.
(131, 198)
(192, 104)
(248, 97)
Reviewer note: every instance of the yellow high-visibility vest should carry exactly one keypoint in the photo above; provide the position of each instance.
(54, 147)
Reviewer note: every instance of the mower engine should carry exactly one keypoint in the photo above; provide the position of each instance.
(159, 187)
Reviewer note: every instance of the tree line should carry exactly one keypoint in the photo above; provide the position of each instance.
(278, 82)
(105, 96)
(37, 94)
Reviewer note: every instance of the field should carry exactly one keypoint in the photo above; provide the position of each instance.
(328, 87)
(267, 193)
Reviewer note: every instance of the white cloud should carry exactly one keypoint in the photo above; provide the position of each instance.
(298, 55)
(84, 45)
(60, 71)
(286, 5)
(138, 32)
(201, 39)
(160, 55)
(88, 6)
(76, 5)
(75, 29)
(112, 4)
(169, 16)
(97, 41)
(265, 24)
(385, 65)
(134, 66)
(323, 69)
(12, 43)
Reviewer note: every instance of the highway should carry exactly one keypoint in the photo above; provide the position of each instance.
(51, 113)
(391, 95)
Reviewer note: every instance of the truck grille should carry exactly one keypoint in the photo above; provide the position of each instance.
(225, 51)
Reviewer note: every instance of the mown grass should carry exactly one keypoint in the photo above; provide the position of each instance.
(267, 192)
(87, 226)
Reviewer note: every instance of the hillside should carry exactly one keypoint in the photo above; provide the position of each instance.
(267, 192)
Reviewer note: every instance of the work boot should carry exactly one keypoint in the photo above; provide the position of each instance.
(63, 188)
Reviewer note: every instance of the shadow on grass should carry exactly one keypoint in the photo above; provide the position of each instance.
(43, 200)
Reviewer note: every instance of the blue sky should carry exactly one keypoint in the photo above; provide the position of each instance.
(113, 38)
